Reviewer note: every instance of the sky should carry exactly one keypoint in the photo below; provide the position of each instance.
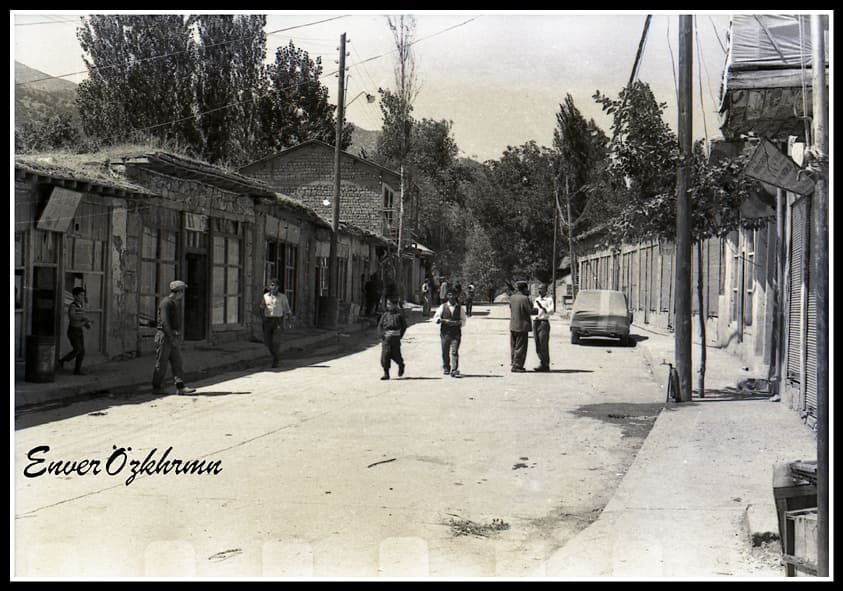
(499, 77)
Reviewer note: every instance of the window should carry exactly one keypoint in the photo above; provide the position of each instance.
(225, 280)
(389, 218)
(322, 275)
(749, 276)
(158, 269)
(281, 262)
(19, 266)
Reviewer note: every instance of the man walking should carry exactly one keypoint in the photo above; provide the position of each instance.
(275, 311)
(168, 341)
(76, 322)
(519, 326)
(450, 318)
(544, 307)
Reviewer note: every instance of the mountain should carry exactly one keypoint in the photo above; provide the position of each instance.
(37, 102)
(363, 140)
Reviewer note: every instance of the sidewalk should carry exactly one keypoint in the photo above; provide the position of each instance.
(201, 361)
(700, 488)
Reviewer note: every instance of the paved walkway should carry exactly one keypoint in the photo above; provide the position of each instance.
(700, 486)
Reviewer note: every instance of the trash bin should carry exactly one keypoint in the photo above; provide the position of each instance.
(40, 359)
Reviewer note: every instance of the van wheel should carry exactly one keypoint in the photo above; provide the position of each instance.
(575, 339)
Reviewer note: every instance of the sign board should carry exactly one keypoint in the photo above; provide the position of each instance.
(769, 165)
(195, 222)
(60, 209)
(289, 233)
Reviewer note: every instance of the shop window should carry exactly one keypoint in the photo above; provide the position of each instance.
(157, 270)
(225, 280)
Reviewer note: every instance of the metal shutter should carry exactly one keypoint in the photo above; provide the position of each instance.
(811, 348)
(713, 246)
(794, 334)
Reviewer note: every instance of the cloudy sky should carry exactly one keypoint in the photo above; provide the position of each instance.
(498, 76)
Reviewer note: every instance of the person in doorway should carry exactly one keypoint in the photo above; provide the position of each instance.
(451, 319)
(168, 339)
(543, 308)
(391, 328)
(275, 312)
(520, 310)
(77, 321)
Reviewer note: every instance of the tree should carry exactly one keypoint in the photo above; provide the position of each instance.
(229, 82)
(141, 70)
(296, 108)
(581, 153)
(642, 167)
(58, 132)
(479, 267)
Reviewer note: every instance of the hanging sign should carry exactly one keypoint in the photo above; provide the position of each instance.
(195, 222)
(769, 165)
(60, 210)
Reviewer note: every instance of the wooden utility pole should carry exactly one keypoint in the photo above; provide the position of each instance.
(683, 213)
(819, 271)
(571, 254)
(331, 318)
(554, 262)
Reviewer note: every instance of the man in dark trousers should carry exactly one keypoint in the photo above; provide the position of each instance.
(451, 318)
(520, 323)
(544, 308)
(168, 341)
(76, 322)
(391, 327)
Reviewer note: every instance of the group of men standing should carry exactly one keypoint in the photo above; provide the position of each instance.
(521, 321)
(525, 316)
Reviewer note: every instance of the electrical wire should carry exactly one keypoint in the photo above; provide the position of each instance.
(699, 81)
(171, 54)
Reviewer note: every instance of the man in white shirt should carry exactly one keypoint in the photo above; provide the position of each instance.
(275, 310)
(544, 306)
(451, 318)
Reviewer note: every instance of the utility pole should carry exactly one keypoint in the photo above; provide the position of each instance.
(571, 254)
(330, 320)
(555, 231)
(400, 279)
(819, 270)
(682, 335)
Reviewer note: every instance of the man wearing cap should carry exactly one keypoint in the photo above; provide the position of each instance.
(168, 340)
(76, 322)
(520, 323)
(275, 311)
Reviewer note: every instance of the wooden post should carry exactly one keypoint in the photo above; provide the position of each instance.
(819, 271)
(683, 214)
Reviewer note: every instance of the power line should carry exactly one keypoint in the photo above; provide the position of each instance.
(171, 54)
(49, 22)
(329, 74)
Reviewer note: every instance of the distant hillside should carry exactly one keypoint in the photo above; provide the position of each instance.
(38, 101)
(363, 140)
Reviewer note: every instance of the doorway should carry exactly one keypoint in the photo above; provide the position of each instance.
(196, 298)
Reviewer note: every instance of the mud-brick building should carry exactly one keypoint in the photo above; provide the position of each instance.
(369, 199)
(125, 224)
(71, 229)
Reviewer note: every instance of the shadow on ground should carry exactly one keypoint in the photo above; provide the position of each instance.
(635, 419)
(98, 403)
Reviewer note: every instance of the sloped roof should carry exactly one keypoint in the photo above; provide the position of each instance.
(182, 166)
(78, 168)
(320, 143)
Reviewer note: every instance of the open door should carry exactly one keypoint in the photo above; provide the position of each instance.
(196, 298)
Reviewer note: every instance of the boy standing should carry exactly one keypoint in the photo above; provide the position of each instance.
(76, 322)
(391, 327)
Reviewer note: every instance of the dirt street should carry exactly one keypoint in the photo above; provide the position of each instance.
(324, 470)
